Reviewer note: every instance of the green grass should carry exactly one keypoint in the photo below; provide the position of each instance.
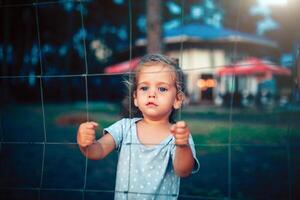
(258, 155)
(209, 125)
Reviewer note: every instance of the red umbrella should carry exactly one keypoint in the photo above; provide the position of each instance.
(122, 67)
(253, 66)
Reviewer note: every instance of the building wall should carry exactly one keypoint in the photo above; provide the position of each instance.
(196, 62)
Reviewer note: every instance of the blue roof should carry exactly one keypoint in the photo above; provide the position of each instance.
(209, 33)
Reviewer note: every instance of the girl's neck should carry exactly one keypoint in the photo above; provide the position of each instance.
(160, 122)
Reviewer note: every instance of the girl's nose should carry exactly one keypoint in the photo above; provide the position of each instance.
(151, 93)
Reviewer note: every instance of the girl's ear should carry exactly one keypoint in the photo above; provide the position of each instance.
(178, 101)
(134, 99)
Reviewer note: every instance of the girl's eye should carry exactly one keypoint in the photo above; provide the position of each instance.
(162, 89)
(144, 88)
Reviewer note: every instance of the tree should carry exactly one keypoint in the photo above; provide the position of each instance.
(154, 30)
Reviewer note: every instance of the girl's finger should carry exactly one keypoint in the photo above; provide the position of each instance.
(173, 128)
(182, 142)
(91, 125)
(94, 124)
(90, 132)
(181, 124)
(90, 137)
(181, 130)
(179, 138)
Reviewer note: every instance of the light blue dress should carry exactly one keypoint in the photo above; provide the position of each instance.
(144, 172)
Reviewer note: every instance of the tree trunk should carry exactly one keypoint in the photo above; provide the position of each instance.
(298, 67)
(154, 30)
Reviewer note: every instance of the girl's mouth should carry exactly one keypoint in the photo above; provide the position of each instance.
(151, 104)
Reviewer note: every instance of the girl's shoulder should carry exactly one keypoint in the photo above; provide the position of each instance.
(129, 120)
(126, 122)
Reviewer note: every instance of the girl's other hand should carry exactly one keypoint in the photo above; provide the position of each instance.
(181, 133)
(86, 133)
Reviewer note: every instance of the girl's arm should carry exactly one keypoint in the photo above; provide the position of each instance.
(91, 148)
(184, 161)
(100, 148)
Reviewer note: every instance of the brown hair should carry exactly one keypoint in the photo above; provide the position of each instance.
(150, 60)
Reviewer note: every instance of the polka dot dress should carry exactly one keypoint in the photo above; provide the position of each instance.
(144, 172)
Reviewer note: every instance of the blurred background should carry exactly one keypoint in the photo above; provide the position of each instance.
(64, 63)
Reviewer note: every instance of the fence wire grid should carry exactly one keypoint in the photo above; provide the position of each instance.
(46, 146)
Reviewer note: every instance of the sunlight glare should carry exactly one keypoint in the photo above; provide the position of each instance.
(273, 2)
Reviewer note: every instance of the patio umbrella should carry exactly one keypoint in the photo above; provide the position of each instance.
(122, 67)
(253, 66)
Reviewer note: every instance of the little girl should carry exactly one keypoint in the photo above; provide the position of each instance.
(154, 152)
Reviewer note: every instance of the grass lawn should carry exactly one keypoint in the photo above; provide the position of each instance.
(250, 153)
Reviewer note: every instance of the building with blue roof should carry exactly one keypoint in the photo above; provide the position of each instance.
(202, 49)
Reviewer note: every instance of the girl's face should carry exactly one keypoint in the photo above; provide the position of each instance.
(156, 93)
